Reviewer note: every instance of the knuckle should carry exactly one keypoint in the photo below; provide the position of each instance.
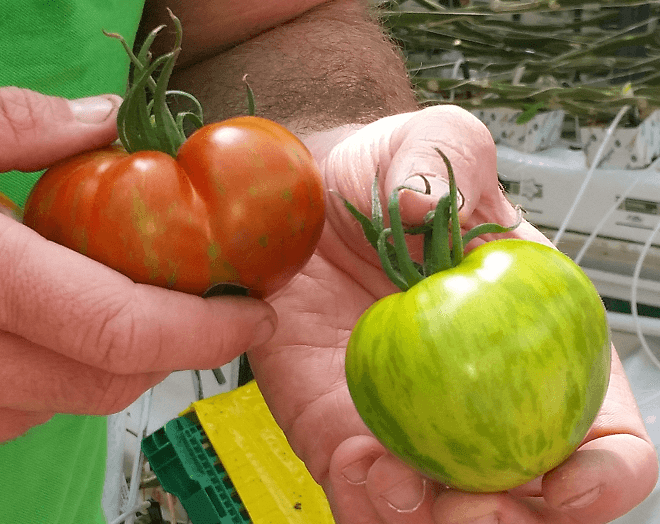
(120, 338)
(113, 337)
(20, 112)
(27, 122)
(14, 283)
(110, 394)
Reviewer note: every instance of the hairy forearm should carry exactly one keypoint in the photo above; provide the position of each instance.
(329, 67)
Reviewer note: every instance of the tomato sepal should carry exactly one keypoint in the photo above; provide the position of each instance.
(145, 121)
(444, 243)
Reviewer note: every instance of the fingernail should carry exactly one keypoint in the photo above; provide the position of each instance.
(356, 472)
(406, 496)
(430, 185)
(93, 110)
(584, 499)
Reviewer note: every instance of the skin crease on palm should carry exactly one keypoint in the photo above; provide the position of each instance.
(344, 278)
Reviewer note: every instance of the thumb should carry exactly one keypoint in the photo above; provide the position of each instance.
(38, 130)
(402, 147)
(470, 148)
(416, 163)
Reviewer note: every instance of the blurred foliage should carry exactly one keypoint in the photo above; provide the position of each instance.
(587, 58)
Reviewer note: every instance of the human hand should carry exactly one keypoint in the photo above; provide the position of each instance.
(301, 369)
(76, 336)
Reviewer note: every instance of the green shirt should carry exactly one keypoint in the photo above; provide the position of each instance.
(54, 473)
(57, 47)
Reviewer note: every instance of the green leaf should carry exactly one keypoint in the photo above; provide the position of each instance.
(489, 229)
(371, 232)
(530, 111)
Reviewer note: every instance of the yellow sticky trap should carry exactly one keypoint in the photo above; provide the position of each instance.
(273, 483)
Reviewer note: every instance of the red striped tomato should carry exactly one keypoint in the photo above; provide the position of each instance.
(242, 203)
(237, 202)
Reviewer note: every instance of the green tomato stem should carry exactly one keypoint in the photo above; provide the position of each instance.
(410, 273)
(443, 242)
(137, 125)
(250, 97)
(486, 229)
(370, 230)
(195, 116)
(440, 256)
(376, 208)
(144, 120)
(393, 274)
(142, 58)
(170, 136)
(456, 238)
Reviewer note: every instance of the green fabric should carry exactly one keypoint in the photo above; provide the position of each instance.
(54, 473)
(57, 47)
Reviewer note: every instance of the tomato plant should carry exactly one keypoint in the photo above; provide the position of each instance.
(239, 201)
(487, 370)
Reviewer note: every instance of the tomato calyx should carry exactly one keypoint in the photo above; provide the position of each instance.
(145, 121)
(443, 242)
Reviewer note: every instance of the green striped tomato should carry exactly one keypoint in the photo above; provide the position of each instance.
(488, 374)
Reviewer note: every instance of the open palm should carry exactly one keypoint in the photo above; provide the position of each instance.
(301, 370)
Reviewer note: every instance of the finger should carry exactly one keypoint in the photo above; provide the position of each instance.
(533, 488)
(599, 483)
(39, 380)
(14, 423)
(64, 301)
(400, 494)
(402, 150)
(603, 480)
(457, 507)
(473, 160)
(527, 231)
(403, 146)
(346, 487)
(618, 413)
(417, 164)
(37, 130)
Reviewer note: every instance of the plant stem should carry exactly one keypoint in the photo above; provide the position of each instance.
(437, 228)
(144, 120)
(410, 273)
